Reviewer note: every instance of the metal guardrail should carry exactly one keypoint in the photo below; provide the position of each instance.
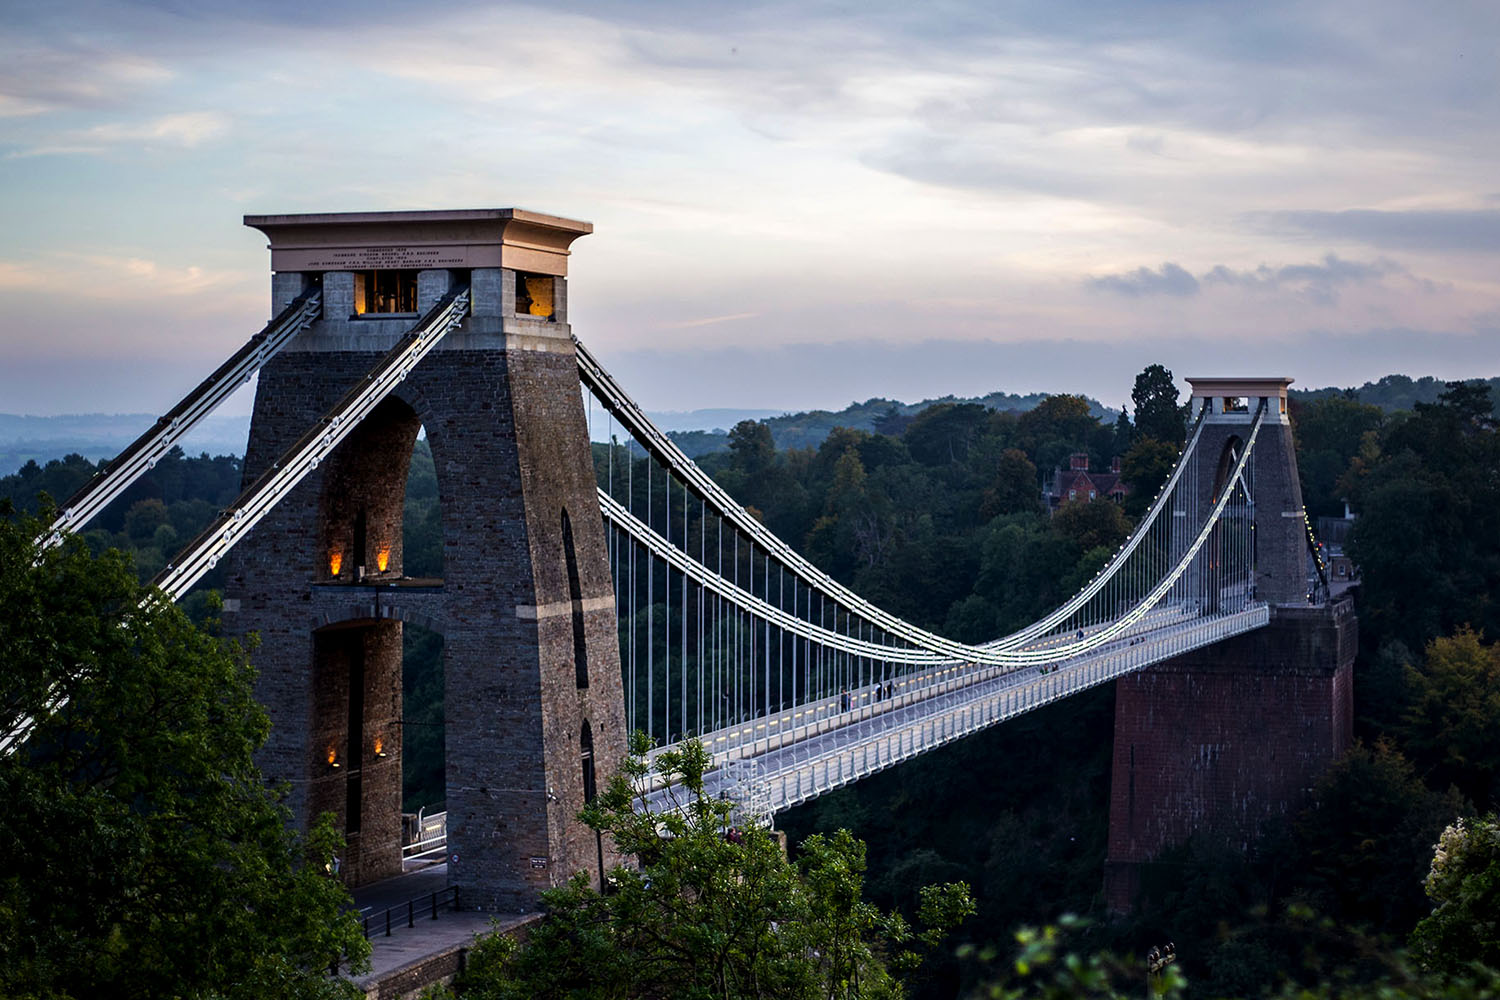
(781, 770)
(815, 767)
(432, 836)
(372, 922)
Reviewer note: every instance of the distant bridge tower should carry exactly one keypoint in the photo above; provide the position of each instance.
(1221, 740)
(532, 688)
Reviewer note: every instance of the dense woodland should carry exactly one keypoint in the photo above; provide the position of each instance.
(937, 517)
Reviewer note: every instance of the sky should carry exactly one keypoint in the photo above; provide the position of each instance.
(795, 205)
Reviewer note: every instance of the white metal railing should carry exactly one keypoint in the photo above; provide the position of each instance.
(864, 748)
(843, 747)
(432, 836)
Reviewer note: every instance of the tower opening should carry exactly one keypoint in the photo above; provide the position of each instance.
(392, 292)
(424, 743)
(364, 497)
(422, 519)
(356, 725)
(575, 596)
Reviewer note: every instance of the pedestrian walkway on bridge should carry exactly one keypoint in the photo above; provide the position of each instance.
(429, 950)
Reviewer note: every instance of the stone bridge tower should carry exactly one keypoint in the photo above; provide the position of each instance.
(532, 688)
(1219, 741)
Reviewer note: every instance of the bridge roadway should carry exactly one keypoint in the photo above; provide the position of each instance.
(831, 746)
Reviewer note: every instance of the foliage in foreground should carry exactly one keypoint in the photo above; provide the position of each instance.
(1464, 886)
(711, 910)
(142, 855)
(1341, 965)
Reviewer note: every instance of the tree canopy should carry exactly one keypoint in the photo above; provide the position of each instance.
(710, 909)
(1464, 886)
(142, 855)
(1157, 414)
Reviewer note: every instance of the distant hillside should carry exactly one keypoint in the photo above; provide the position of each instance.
(103, 435)
(1394, 392)
(809, 428)
(98, 436)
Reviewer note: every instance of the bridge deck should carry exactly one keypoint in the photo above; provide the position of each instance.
(778, 772)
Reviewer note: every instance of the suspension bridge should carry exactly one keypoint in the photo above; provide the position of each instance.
(589, 590)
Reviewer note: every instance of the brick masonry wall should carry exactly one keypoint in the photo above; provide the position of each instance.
(509, 441)
(1224, 739)
(1280, 539)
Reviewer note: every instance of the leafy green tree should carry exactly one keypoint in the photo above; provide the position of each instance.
(1124, 433)
(943, 433)
(1014, 489)
(1157, 414)
(142, 855)
(1057, 426)
(751, 446)
(711, 910)
(1364, 840)
(1330, 432)
(1452, 727)
(1334, 963)
(1427, 540)
(1092, 524)
(1145, 468)
(1464, 886)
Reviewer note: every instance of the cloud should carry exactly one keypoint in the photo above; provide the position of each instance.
(710, 321)
(113, 278)
(1169, 279)
(1472, 231)
(1318, 282)
(184, 130)
(43, 73)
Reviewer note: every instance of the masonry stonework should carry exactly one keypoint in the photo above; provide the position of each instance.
(500, 403)
(1221, 741)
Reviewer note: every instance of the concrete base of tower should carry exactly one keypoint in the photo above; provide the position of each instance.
(1220, 741)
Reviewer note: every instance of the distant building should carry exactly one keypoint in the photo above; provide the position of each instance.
(1076, 482)
(1333, 538)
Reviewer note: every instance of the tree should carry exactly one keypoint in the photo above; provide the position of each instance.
(711, 910)
(1015, 489)
(752, 447)
(1145, 468)
(1124, 432)
(1427, 541)
(1364, 839)
(1464, 886)
(1157, 414)
(1330, 432)
(1452, 726)
(942, 434)
(1056, 426)
(142, 855)
(1092, 524)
